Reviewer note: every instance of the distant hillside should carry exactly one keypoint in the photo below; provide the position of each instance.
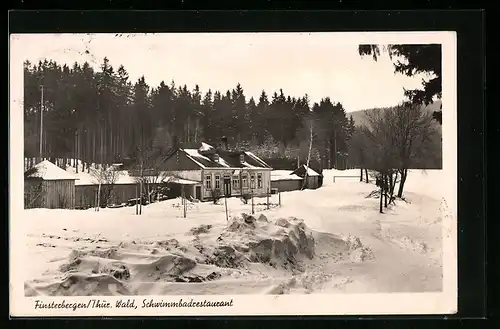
(360, 116)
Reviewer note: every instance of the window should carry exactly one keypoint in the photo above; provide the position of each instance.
(236, 182)
(242, 158)
(244, 181)
(208, 182)
(217, 181)
(259, 180)
(252, 181)
(216, 157)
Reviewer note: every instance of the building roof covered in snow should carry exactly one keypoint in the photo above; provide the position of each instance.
(181, 181)
(207, 156)
(46, 170)
(302, 170)
(277, 175)
(90, 177)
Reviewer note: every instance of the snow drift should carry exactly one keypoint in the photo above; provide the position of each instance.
(245, 246)
(342, 245)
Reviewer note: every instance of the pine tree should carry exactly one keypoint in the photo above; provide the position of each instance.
(100, 117)
(417, 59)
(207, 116)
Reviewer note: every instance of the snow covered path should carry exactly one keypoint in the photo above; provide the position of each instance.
(398, 251)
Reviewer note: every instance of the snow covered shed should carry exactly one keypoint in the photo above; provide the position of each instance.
(285, 180)
(122, 188)
(48, 186)
(313, 181)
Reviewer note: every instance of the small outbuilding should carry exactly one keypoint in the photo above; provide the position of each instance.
(285, 180)
(48, 186)
(314, 180)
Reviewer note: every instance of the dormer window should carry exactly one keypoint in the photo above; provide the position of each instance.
(216, 157)
(242, 158)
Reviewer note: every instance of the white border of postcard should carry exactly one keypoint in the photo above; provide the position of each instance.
(444, 302)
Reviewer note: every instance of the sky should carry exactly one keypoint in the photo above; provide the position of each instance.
(318, 64)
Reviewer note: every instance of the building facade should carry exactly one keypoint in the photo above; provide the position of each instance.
(219, 171)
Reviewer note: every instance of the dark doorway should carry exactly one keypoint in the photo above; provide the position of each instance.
(227, 187)
(198, 193)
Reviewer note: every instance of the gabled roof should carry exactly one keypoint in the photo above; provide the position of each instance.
(301, 171)
(206, 157)
(278, 175)
(46, 170)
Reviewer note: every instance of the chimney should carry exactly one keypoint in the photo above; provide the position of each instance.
(224, 142)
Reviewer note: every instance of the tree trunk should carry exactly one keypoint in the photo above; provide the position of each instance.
(361, 175)
(99, 197)
(366, 174)
(335, 148)
(93, 148)
(404, 173)
(111, 144)
(148, 191)
(385, 182)
(136, 199)
(304, 184)
(393, 184)
(105, 143)
(140, 190)
(196, 130)
(76, 151)
(83, 150)
(381, 195)
(391, 178)
(102, 147)
(329, 153)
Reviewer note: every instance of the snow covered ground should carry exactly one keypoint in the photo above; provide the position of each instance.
(356, 249)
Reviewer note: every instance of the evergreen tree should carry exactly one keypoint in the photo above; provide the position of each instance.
(417, 59)
(101, 117)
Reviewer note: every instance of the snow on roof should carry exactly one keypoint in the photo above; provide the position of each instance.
(181, 181)
(86, 178)
(257, 159)
(278, 172)
(194, 154)
(225, 159)
(246, 164)
(310, 172)
(285, 176)
(205, 147)
(224, 162)
(46, 170)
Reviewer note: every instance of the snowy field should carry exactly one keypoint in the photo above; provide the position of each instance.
(343, 245)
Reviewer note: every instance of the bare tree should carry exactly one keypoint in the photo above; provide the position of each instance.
(105, 177)
(149, 159)
(414, 130)
(395, 138)
(311, 135)
(358, 150)
(382, 155)
(151, 179)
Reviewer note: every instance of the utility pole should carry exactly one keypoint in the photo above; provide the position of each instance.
(335, 147)
(41, 125)
(76, 150)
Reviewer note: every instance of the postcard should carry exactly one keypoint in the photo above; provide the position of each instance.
(233, 174)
